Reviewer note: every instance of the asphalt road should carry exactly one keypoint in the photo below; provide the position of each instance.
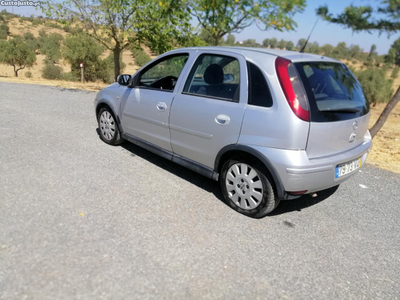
(83, 220)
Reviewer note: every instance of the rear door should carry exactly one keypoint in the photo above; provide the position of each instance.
(207, 115)
(339, 112)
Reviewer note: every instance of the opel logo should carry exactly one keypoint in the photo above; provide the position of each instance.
(355, 125)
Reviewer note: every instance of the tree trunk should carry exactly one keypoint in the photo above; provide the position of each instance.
(385, 113)
(216, 40)
(15, 72)
(117, 54)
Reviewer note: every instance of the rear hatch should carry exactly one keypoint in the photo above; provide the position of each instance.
(339, 112)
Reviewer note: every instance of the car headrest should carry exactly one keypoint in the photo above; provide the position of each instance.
(214, 74)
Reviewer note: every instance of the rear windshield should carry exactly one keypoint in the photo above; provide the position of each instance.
(333, 92)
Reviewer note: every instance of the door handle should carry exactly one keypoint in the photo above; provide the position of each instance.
(222, 119)
(161, 106)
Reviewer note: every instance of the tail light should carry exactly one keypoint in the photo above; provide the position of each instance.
(292, 88)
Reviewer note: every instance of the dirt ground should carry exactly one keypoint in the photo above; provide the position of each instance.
(386, 144)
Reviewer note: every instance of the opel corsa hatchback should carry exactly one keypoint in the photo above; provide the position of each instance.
(268, 124)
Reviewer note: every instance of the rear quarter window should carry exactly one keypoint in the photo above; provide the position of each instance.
(259, 93)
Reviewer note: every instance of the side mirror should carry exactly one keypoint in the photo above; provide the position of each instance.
(123, 79)
(134, 81)
(229, 78)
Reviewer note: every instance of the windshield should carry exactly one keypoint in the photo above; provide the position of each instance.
(332, 90)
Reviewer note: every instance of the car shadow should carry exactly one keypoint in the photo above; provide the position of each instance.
(303, 202)
(202, 182)
(212, 186)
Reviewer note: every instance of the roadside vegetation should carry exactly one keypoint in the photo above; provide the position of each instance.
(383, 18)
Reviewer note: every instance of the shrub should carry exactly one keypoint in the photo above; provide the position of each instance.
(66, 28)
(141, 58)
(70, 77)
(4, 31)
(52, 72)
(395, 73)
(53, 25)
(36, 22)
(27, 19)
(42, 32)
(376, 87)
(28, 74)
(367, 63)
(81, 48)
(50, 46)
(385, 68)
(76, 30)
(352, 69)
(28, 36)
(31, 41)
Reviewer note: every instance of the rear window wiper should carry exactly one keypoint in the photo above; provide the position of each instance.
(342, 110)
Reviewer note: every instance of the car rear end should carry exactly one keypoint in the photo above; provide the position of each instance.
(323, 93)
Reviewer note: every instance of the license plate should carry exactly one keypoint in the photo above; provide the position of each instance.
(347, 168)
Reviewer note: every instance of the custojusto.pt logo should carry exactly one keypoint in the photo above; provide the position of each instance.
(20, 3)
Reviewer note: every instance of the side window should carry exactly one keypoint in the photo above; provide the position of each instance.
(164, 74)
(214, 76)
(259, 93)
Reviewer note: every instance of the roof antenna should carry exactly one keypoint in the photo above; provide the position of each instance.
(305, 45)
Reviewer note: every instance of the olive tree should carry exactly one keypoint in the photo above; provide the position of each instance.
(393, 57)
(221, 17)
(17, 54)
(116, 24)
(385, 18)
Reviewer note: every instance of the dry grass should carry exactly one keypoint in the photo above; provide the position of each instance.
(90, 86)
(386, 144)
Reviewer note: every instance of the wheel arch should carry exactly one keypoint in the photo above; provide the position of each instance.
(104, 103)
(232, 150)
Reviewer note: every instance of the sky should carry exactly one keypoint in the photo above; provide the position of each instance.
(324, 32)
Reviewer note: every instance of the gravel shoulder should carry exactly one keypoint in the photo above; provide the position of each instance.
(83, 220)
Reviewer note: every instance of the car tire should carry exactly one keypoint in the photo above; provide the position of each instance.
(247, 187)
(108, 126)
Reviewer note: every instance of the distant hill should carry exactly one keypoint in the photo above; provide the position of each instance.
(21, 25)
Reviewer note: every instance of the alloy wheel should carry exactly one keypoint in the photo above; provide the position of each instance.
(244, 186)
(107, 125)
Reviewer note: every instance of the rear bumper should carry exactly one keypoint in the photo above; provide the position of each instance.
(298, 173)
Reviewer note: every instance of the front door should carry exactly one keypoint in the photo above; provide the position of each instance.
(207, 115)
(146, 111)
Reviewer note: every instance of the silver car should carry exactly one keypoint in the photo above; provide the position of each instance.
(268, 124)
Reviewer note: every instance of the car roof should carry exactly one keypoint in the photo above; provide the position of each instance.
(249, 52)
